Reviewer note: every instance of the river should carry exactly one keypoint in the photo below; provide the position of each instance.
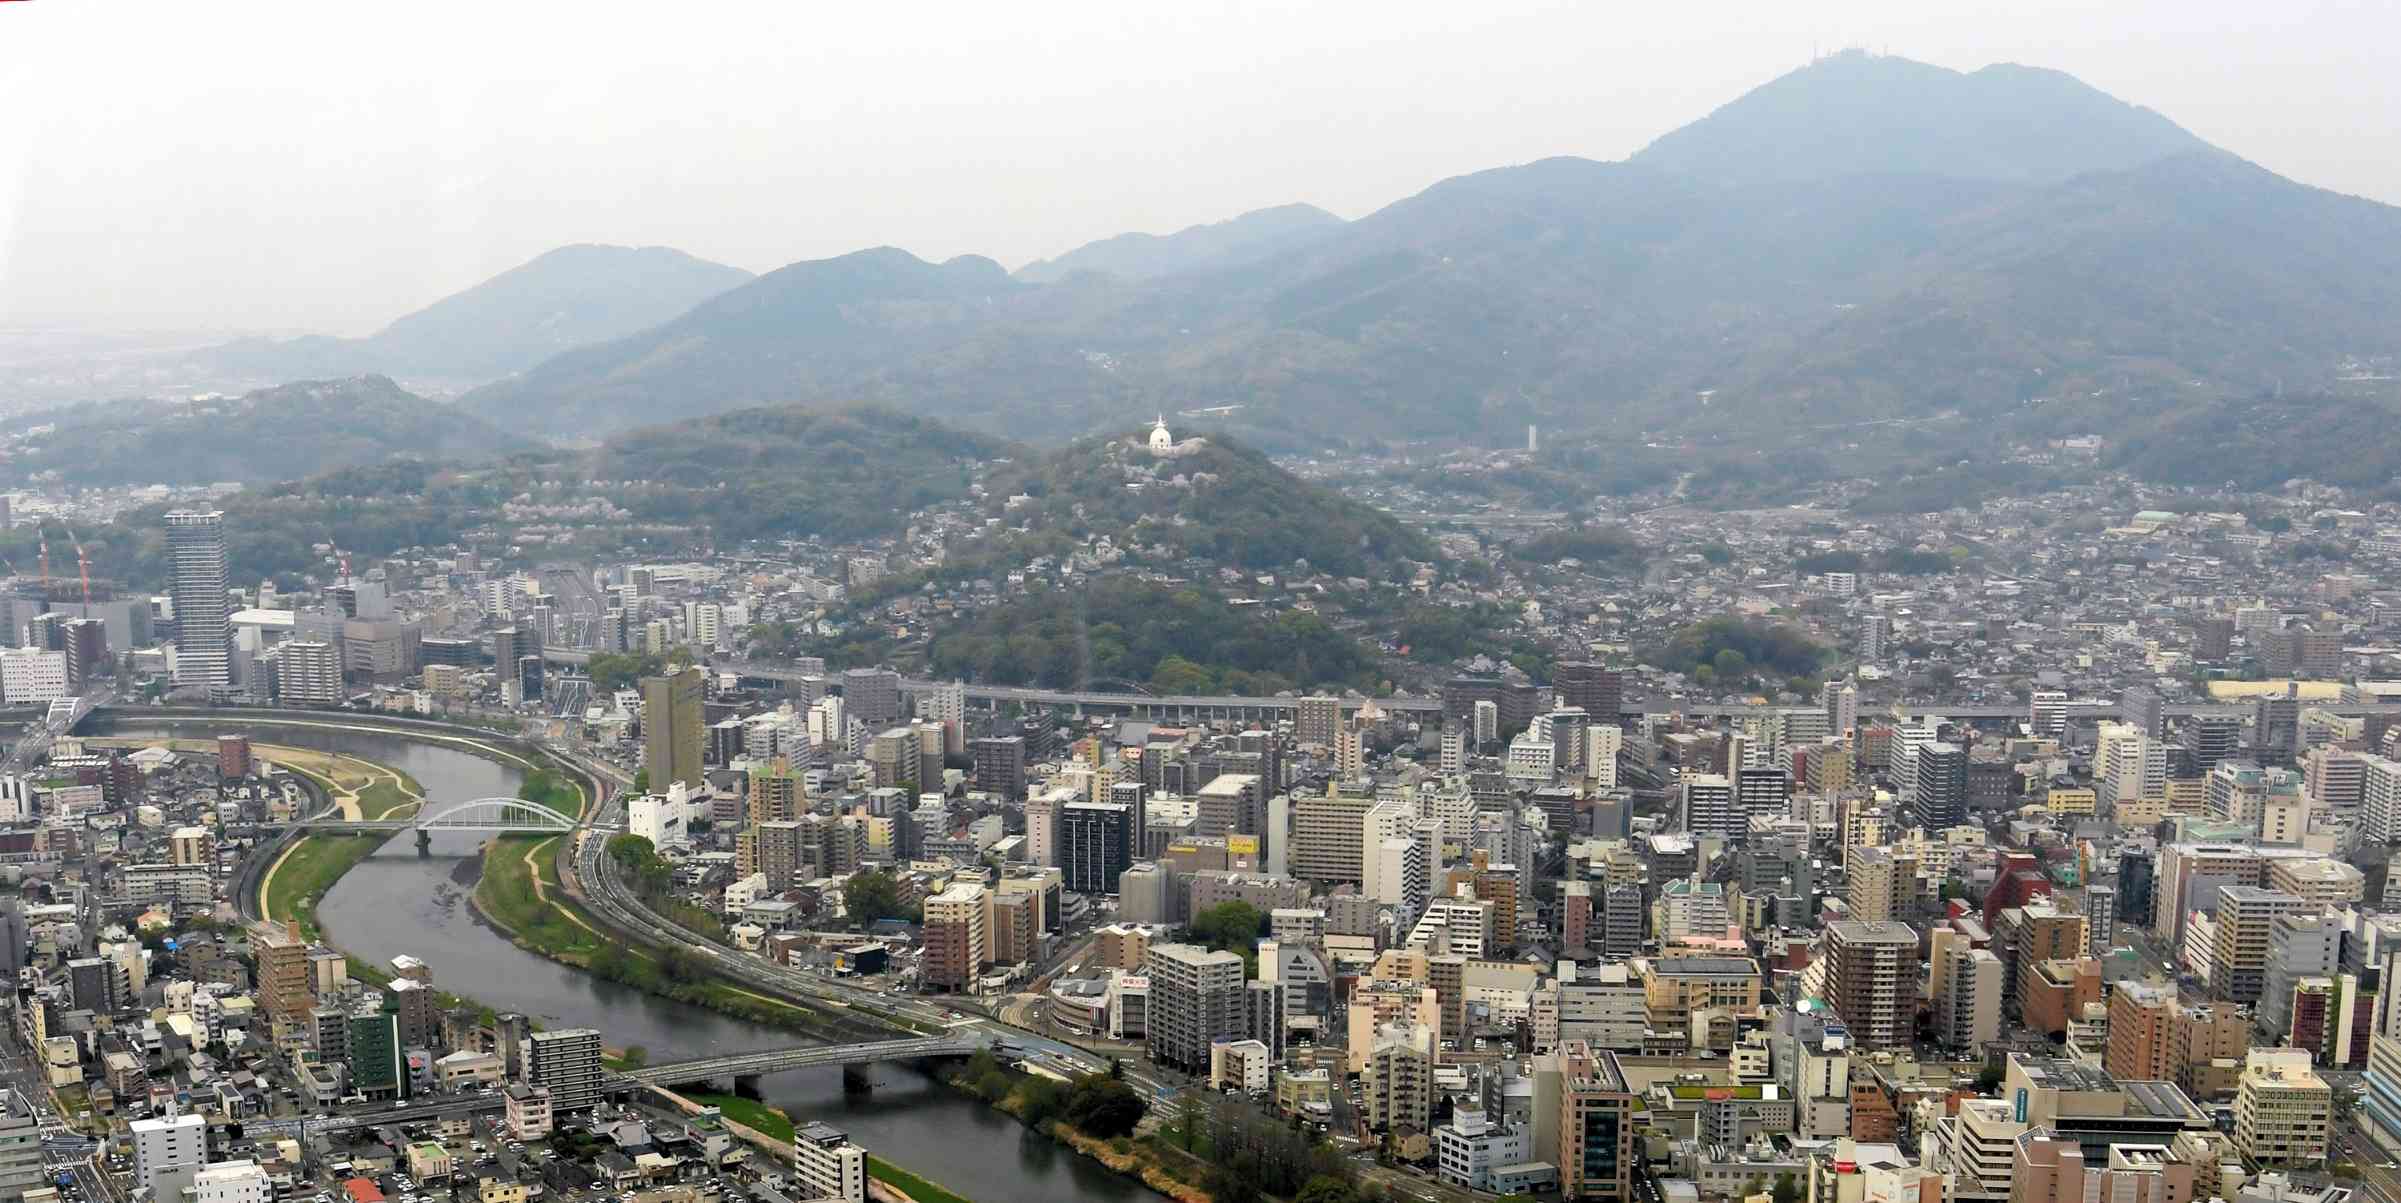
(399, 902)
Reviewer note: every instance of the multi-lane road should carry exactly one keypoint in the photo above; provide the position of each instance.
(594, 881)
(64, 1151)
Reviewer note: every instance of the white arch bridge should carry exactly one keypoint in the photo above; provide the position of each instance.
(481, 814)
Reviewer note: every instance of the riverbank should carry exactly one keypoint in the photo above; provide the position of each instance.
(521, 896)
(771, 1122)
(300, 878)
(395, 901)
(1038, 1102)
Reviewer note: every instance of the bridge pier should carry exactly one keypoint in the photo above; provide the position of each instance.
(425, 842)
(747, 1086)
(856, 1081)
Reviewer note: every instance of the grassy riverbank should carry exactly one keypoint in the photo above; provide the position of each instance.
(522, 895)
(297, 882)
(909, 1184)
(759, 1117)
(771, 1122)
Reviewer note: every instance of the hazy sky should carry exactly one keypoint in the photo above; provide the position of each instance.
(328, 165)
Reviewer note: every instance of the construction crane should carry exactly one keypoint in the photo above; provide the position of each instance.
(83, 565)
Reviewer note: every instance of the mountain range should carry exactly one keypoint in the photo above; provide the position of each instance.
(1864, 239)
(561, 299)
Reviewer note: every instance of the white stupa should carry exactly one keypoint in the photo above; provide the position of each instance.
(1161, 442)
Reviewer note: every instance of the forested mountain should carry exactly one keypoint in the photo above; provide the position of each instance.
(1853, 114)
(851, 473)
(1230, 243)
(1212, 499)
(880, 324)
(315, 425)
(1865, 238)
(561, 299)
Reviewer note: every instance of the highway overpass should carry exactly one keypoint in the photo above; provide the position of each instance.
(1237, 706)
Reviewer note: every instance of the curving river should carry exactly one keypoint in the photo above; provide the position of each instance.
(399, 902)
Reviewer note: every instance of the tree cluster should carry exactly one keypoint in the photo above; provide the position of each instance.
(872, 895)
(1728, 650)
(1257, 1155)
(1175, 640)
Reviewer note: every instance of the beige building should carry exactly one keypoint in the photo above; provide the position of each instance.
(1584, 1122)
(2283, 1112)
(1675, 987)
(1329, 837)
(1965, 986)
(957, 936)
(2317, 880)
(2239, 958)
(1884, 883)
(1397, 1087)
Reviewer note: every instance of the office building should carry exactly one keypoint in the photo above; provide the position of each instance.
(85, 643)
(198, 589)
(1938, 799)
(1329, 834)
(827, 1165)
(1234, 804)
(1871, 980)
(168, 1153)
(956, 943)
(1196, 999)
(1709, 808)
(378, 1062)
(1587, 686)
(306, 672)
(1316, 720)
(566, 1062)
(1966, 993)
(1000, 766)
(671, 723)
(872, 695)
(2048, 1169)
(238, 1181)
(2246, 923)
(23, 1166)
(31, 675)
(2283, 1111)
(1584, 1123)
(1097, 844)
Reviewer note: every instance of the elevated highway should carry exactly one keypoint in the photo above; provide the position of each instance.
(1240, 706)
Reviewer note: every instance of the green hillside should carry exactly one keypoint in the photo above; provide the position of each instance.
(1171, 640)
(1216, 500)
(261, 436)
(559, 300)
(773, 473)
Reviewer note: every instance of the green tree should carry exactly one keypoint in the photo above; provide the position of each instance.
(1787, 1190)
(1176, 675)
(1326, 1188)
(871, 895)
(642, 780)
(1233, 926)
(1104, 1107)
